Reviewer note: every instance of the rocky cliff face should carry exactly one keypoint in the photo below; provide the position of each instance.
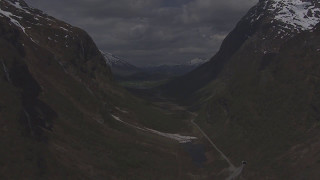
(36, 47)
(47, 69)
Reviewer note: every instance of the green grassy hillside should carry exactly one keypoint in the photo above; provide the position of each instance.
(267, 114)
(57, 96)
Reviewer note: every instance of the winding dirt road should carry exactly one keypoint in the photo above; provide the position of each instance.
(234, 171)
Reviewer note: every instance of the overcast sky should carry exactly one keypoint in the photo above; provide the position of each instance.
(152, 32)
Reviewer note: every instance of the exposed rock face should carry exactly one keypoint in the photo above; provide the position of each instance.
(73, 49)
(32, 42)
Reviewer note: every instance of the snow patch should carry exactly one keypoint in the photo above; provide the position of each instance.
(37, 42)
(296, 14)
(112, 60)
(14, 18)
(197, 61)
(128, 124)
(29, 121)
(177, 137)
(10, 16)
(64, 29)
(121, 110)
(19, 7)
(5, 69)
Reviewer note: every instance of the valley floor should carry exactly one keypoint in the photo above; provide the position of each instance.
(209, 160)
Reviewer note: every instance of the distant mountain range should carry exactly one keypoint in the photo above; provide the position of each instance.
(175, 69)
(124, 70)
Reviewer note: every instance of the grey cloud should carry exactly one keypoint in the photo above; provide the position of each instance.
(148, 32)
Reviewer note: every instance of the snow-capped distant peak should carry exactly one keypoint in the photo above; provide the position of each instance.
(297, 14)
(286, 17)
(113, 60)
(25, 18)
(196, 61)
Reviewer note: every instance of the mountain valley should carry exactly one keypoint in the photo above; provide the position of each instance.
(71, 111)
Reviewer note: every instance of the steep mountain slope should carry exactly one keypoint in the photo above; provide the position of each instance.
(259, 95)
(268, 113)
(266, 26)
(58, 103)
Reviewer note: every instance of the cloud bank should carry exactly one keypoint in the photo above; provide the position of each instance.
(151, 32)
